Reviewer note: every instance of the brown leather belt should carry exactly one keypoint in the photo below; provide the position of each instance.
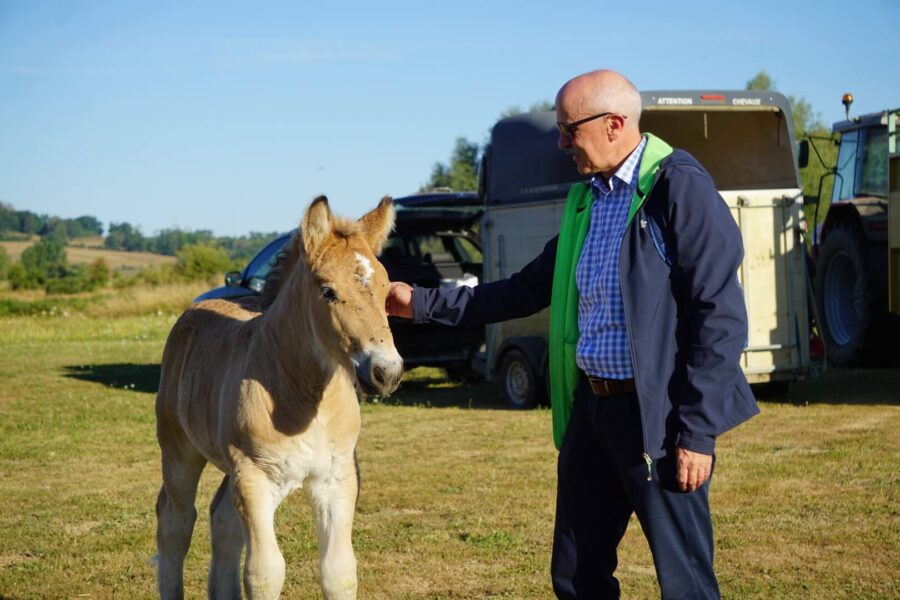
(610, 387)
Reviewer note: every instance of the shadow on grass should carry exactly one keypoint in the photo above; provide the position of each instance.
(429, 391)
(128, 376)
(863, 386)
(438, 392)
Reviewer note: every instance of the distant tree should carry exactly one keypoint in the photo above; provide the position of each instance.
(806, 119)
(246, 246)
(54, 228)
(9, 219)
(122, 236)
(514, 110)
(170, 241)
(30, 222)
(461, 173)
(89, 225)
(762, 81)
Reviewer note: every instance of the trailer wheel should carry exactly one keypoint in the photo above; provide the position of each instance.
(851, 291)
(521, 386)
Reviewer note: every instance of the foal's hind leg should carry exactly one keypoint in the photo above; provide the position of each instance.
(175, 513)
(334, 501)
(227, 538)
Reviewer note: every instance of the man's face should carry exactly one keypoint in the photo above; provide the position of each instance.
(590, 144)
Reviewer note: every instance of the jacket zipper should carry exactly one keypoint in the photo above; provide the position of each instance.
(637, 387)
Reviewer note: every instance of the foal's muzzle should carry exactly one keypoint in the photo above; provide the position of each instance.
(379, 374)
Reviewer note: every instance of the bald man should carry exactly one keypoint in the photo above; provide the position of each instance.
(647, 325)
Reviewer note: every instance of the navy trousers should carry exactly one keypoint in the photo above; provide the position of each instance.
(602, 480)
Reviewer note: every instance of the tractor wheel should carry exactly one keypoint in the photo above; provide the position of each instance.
(851, 292)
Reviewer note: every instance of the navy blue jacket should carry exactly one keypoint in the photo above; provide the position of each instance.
(684, 309)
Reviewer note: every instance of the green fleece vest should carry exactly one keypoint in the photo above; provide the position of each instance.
(564, 297)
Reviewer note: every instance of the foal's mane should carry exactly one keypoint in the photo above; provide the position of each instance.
(293, 251)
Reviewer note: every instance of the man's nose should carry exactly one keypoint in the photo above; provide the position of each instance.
(563, 142)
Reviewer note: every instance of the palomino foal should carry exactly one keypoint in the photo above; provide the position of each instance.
(269, 397)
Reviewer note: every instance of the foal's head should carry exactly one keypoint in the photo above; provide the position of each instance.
(349, 287)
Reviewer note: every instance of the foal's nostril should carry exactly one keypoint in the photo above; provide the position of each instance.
(378, 375)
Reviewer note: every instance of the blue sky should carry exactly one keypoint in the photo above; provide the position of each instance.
(233, 116)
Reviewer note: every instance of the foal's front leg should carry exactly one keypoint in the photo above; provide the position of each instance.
(334, 501)
(255, 501)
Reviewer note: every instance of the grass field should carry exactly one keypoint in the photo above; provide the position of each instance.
(457, 498)
(87, 251)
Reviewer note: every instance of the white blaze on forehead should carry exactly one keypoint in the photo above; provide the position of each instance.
(365, 271)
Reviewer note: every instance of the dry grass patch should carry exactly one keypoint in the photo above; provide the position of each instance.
(163, 299)
(86, 252)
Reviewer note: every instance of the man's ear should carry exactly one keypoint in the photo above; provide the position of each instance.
(615, 125)
(316, 225)
(378, 223)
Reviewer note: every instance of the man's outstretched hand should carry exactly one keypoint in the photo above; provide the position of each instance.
(399, 300)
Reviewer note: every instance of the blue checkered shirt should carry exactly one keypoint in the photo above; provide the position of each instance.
(603, 349)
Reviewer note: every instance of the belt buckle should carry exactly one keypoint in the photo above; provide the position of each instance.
(605, 386)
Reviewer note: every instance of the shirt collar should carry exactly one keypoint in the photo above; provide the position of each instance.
(625, 174)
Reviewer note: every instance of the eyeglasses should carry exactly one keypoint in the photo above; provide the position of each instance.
(568, 129)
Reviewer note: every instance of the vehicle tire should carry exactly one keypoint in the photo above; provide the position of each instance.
(522, 388)
(851, 293)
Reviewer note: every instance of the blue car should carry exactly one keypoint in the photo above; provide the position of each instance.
(435, 243)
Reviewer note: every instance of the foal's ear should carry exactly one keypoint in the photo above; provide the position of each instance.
(378, 223)
(316, 225)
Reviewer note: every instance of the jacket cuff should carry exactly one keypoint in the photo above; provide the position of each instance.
(704, 444)
(419, 304)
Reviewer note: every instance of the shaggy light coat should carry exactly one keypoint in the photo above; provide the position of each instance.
(265, 389)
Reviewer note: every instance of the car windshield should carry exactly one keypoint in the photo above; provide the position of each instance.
(262, 263)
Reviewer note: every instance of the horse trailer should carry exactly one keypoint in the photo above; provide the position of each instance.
(744, 139)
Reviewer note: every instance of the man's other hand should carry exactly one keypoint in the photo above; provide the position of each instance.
(692, 469)
(399, 300)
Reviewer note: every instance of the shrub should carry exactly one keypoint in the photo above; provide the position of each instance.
(45, 259)
(73, 283)
(158, 275)
(201, 261)
(98, 273)
(5, 263)
(21, 279)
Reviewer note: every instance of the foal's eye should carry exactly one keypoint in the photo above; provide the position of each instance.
(329, 295)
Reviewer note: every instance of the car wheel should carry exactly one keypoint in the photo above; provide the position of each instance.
(521, 387)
